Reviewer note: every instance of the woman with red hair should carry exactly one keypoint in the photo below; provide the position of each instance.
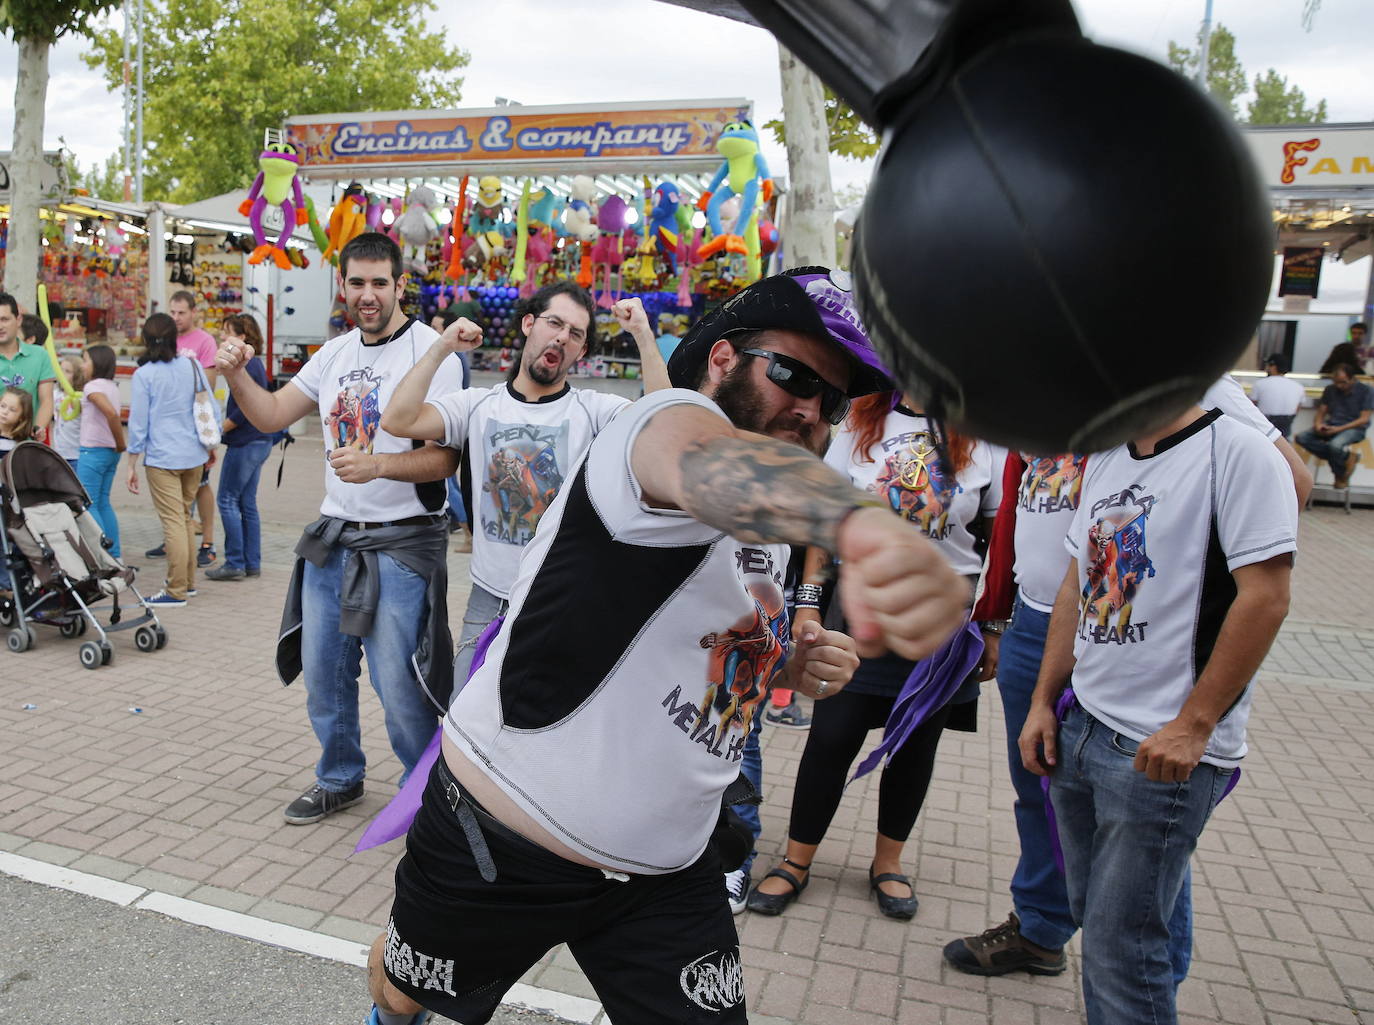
(950, 486)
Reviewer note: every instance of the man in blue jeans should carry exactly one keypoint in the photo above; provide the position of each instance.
(1181, 550)
(1027, 560)
(1342, 419)
(370, 577)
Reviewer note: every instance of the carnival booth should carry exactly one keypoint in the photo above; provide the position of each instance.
(94, 256)
(1321, 187)
(668, 201)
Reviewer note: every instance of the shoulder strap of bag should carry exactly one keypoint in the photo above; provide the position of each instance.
(286, 442)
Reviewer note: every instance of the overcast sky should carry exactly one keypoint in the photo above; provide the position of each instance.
(570, 51)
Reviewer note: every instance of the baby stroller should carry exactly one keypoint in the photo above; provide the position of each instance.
(56, 561)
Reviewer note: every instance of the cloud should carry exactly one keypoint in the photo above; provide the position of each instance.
(556, 51)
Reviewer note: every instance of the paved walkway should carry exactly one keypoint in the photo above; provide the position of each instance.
(169, 772)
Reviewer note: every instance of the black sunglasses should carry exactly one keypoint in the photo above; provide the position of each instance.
(796, 378)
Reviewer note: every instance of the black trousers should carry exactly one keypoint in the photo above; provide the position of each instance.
(839, 726)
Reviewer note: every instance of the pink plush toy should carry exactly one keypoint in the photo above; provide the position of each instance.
(609, 251)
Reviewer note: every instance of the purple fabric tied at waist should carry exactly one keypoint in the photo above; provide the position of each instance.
(393, 820)
(928, 689)
(1061, 708)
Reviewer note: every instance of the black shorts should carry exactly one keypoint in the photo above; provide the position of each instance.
(656, 948)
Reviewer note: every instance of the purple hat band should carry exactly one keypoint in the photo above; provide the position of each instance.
(833, 295)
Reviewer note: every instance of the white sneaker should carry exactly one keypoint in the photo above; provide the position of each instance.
(736, 890)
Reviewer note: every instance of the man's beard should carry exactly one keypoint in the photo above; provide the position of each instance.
(738, 398)
(385, 311)
(542, 374)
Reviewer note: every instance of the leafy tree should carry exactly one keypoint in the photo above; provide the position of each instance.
(849, 136)
(34, 25)
(1278, 103)
(103, 181)
(1225, 75)
(218, 72)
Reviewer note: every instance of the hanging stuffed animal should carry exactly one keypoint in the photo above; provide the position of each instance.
(456, 238)
(645, 274)
(486, 228)
(663, 225)
(543, 207)
(488, 209)
(533, 227)
(416, 226)
(745, 174)
(579, 218)
(276, 185)
(522, 238)
(609, 252)
(317, 231)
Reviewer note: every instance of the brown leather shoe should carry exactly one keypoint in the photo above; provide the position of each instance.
(1003, 949)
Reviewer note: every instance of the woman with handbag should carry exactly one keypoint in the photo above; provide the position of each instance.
(245, 450)
(173, 424)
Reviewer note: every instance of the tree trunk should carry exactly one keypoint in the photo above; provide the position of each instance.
(30, 94)
(810, 228)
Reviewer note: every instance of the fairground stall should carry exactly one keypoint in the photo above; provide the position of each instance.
(669, 201)
(1321, 186)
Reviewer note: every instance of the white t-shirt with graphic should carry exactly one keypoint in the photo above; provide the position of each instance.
(352, 382)
(1157, 538)
(1048, 499)
(521, 453)
(901, 469)
(614, 704)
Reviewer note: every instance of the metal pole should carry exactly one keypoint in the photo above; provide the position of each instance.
(138, 154)
(1203, 49)
(128, 98)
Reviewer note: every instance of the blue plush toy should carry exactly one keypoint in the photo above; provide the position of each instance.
(663, 224)
(744, 173)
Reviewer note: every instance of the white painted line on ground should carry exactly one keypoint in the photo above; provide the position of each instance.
(63, 878)
(238, 924)
(563, 1005)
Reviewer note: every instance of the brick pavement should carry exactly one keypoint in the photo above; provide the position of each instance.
(186, 797)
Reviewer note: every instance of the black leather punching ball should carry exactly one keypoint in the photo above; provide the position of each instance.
(1063, 245)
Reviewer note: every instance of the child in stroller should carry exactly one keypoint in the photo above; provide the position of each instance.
(55, 562)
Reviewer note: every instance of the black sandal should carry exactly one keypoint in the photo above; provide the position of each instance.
(776, 903)
(901, 908)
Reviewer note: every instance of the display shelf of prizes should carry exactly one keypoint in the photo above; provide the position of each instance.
(102, 294)
(215, 278)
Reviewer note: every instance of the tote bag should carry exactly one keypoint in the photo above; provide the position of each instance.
(206, 410)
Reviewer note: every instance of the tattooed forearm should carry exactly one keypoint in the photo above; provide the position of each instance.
(763, 490)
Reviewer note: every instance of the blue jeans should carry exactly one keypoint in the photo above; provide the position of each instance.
(1332, 449)
(1126, 842)
(752, 767)
(483, 607)
(456, 511)
(96, 471)
(332, 663)
(1037, 885)
(238, 503)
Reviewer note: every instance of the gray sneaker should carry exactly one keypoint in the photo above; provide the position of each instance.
(317, 802)
(790, 717)
(224, 572)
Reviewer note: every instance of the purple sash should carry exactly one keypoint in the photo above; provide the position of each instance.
(1061, 708)
(931, 684)
(396, 817)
